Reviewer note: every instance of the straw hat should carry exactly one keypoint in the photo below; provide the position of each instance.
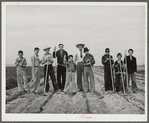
(83, 45)
(46, 47)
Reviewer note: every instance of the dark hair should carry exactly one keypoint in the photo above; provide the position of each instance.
(61, 44)
(20, 51)
(70, 56)
(119, 54)
(130, 50)
(36, 48)
(107, 49)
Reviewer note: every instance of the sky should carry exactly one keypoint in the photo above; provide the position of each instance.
(98, 27)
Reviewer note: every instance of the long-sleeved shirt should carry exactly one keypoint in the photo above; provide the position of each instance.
(71, 66)
(117, 66)
(20, 63)
(61, 54)
(87, 58)
(107, 63)
(45, 57)
(131, 64)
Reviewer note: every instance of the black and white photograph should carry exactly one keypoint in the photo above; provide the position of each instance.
(74, 61)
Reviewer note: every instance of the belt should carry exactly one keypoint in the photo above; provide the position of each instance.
(80, 62)
(87, 66)
(61, 65)
(36, 66)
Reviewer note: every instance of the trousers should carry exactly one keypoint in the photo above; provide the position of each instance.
(70, 85)
(89, 85)
(50, 72)
(108, 80)
(80, 75)
(133, 80)
(22, 81)
(35, 85)
(61, 73)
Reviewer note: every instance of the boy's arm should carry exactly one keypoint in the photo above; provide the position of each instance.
(33, 63)
(112, 61)
(75, 67)
(84, 62)
(103, 60)
(16, 63)
(135, 65)
(55, 54)
(24, 63)
(43, 60)
(92, 60)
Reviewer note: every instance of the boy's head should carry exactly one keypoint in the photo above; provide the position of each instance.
(130, 51)
(86, 50)
(47, 50)
(119, 56)
(70, 57)
(20, 53)
(107, 51)
(61, 46)
(36, 50)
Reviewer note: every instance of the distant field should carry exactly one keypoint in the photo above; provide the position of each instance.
(11, 77)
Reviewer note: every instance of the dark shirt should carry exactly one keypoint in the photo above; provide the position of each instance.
(88, 57)
(131, 64)
(107, 63)
(71, 66)
(60, 56)
(117, 67)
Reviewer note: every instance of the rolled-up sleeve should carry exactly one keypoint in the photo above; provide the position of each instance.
(16, 62)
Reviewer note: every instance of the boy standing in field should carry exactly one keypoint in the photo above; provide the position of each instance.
(71, 86)
(21, 73)
(107, 72)
(119, 69)
(47, 60)
(35, 85)
(132, 69)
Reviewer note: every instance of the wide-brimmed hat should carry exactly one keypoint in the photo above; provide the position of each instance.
(46, 47)
(86, 49)
(83, 45)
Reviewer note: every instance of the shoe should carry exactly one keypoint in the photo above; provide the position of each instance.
(36, 93)
(44, 94)
(101, 97)
(135, 91)
(57, 92)
(64, 93)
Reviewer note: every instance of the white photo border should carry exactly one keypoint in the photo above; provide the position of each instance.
(68, 117)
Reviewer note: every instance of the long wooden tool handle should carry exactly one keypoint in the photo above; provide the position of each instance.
(122, 77)
(111, 73)
(46, 78)
(126, 70)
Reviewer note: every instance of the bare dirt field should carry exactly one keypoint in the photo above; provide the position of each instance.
(115, 103)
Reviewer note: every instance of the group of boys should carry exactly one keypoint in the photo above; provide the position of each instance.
(82, 64)
(123, 70)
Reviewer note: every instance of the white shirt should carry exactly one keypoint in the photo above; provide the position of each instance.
(44, 58)
(35, 60)
(78, 56)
